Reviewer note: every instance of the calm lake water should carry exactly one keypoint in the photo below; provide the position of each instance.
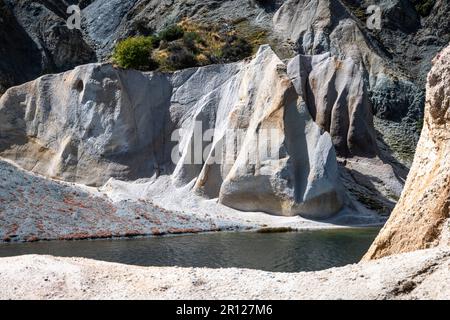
(281, 252)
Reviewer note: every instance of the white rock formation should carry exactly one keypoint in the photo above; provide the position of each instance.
(318, 26)
(304, 22)
(97, 122)
(337, 97)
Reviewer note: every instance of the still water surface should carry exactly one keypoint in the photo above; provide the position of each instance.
(281, 252)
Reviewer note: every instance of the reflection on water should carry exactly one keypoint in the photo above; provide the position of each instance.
(281, 252)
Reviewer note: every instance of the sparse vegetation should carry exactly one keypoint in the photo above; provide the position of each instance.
(135, 53)
(254, 35)
(188, 44)
(357, 10)
(235, 48)
(424, 7)
(171, 33)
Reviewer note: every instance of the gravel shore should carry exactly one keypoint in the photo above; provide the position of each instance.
(418, 275)
(33, 207)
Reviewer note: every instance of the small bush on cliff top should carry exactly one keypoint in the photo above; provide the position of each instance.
(135, 53)
(178, 57)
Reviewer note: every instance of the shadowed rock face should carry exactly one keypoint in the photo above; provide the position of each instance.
(337, 98)
(35, 40)
(395, 59)
(16, 51)
(420, 219)
(97, 122)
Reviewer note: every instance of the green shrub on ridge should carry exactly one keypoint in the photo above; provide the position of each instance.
(135, 53)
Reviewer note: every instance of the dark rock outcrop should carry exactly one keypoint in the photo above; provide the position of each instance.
(105, 22)
(37, 41)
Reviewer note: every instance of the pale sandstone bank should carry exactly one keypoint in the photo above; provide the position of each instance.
(421, 218)
(418, 275)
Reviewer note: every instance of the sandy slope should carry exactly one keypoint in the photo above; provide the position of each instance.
(33, 208)
(422, 274)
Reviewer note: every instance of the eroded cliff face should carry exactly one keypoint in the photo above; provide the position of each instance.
(395, 58)
(420, 219)
(106, 21)
(337, 98)
(96, 122)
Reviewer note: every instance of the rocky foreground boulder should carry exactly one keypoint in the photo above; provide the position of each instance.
(97, 122)
(421, 217)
